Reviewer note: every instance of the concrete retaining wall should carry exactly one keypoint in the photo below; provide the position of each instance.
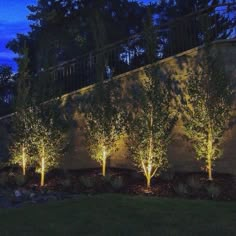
(180, 153)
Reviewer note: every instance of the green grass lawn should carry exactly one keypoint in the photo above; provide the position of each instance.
(121, 215)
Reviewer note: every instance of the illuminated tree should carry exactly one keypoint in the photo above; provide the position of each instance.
(22, 139)
(150, 127)
(207, 109)
(20, 156)
(103, 118)
(103, 124)
(47, 145)
(36, 142)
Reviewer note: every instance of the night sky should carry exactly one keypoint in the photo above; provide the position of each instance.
(13, 19)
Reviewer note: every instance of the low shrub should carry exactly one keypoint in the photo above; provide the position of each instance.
(117, 183)
(107, 178)
(181, 189)
(167, 175)
(194, 183)
(66, 183)
(3, 179)
(213, 190)
(87, 181)
(11, 178)
(20, 180)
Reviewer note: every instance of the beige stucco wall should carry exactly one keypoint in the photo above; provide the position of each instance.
(180, 153)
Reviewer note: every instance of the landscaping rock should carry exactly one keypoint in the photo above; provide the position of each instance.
(32, 195)
(17, 194)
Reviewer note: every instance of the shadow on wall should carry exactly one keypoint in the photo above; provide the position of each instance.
(180, 153)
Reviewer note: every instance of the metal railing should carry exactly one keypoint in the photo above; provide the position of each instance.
(178, 35)
(213, 23)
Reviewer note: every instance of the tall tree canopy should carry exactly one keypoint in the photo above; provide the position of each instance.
(192, 30)
(62, 30)
(7, 85)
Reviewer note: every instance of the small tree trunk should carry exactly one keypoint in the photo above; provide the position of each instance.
(209, 153)
(148, 178)
(23, 161)
(148, 173)
(42, 168)
(104, 167)
(104, 159)
(210, 170)
(150, 154)
(42, 172)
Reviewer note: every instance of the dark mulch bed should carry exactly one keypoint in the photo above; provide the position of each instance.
(89, 181)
